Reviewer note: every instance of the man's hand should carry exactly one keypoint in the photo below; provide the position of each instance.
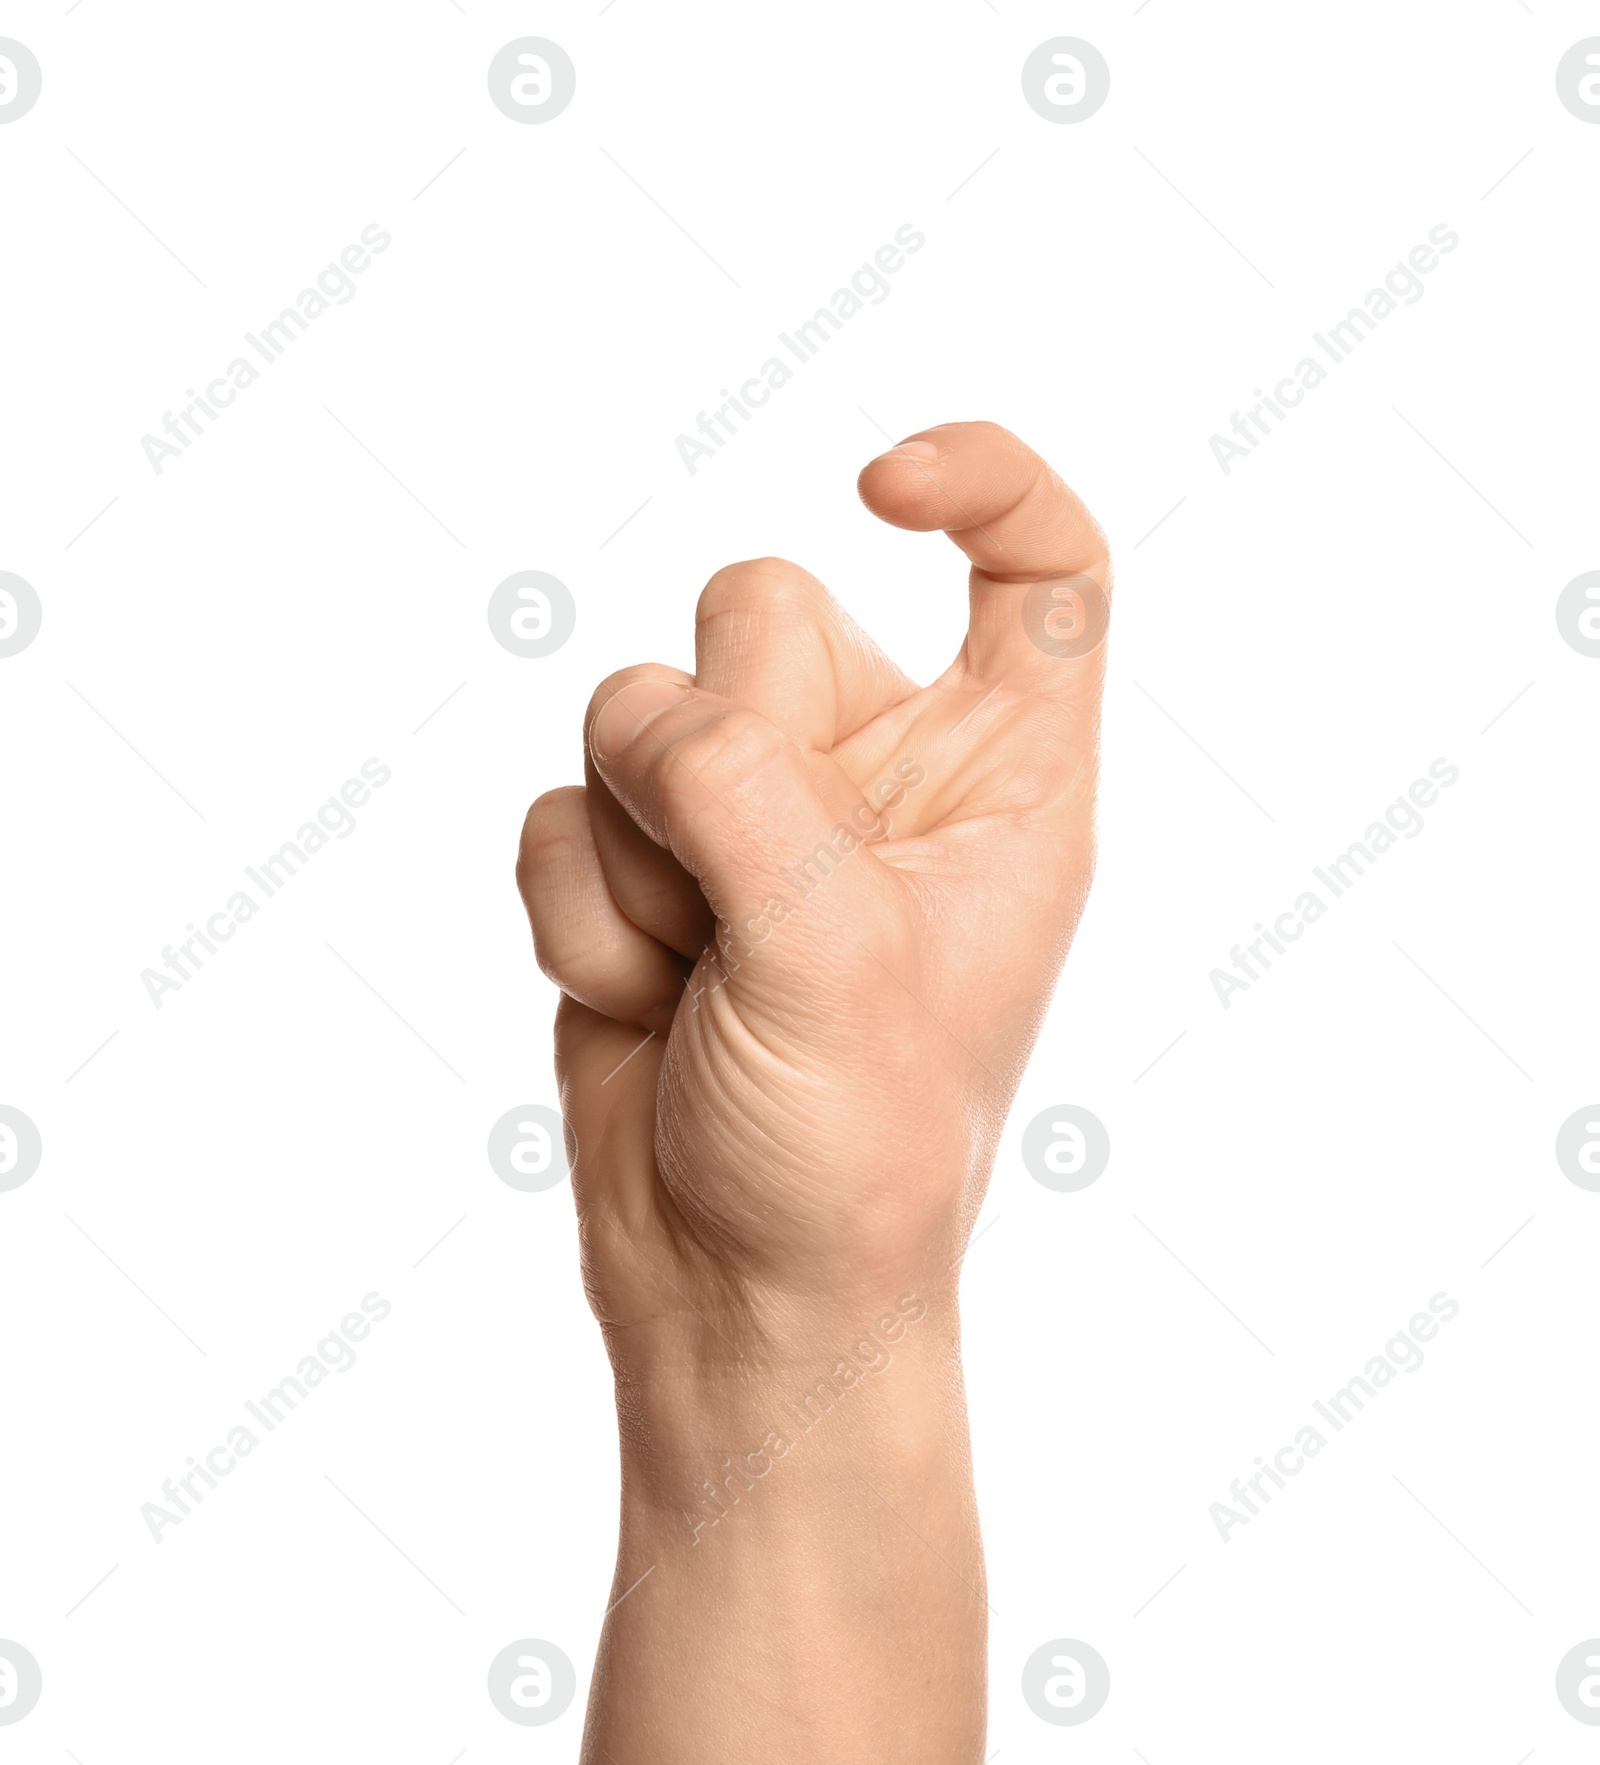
(807, 917)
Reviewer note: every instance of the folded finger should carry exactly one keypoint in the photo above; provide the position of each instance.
(583, 940)
(732, 798)
(768, 635)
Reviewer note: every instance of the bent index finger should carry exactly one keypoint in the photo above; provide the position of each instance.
(1021, 526)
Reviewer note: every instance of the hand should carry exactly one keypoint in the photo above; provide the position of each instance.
(806, 918)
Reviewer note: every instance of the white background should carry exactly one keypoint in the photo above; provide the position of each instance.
(1337, 612)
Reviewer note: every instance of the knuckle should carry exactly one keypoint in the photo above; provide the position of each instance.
(599, 966)
(985, 430)
(567, 958)
(982, 437)
(555, 821)
(756, 585)
(726, 752)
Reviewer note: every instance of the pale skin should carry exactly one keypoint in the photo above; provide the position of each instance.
(786, 1071)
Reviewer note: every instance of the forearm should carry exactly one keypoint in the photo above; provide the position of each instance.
(800, 1576)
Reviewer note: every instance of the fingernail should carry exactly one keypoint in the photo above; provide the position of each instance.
(914, 450)
(626, 713)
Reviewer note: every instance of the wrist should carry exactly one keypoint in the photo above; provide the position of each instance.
(787, 1422)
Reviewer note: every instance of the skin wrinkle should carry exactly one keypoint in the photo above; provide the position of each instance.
(753, 1059)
